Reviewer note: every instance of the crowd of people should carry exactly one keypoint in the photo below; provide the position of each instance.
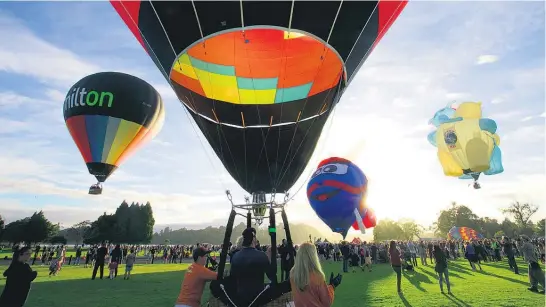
(301, 270)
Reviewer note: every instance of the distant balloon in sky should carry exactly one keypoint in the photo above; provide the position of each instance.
(109, 115)
(335, 192)
(467, 143)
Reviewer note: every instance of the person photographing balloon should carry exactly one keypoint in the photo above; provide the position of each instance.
(307, 280)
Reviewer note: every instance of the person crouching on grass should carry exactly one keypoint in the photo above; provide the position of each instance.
(197, 275)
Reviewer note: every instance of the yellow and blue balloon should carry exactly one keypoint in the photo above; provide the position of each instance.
(467, 143)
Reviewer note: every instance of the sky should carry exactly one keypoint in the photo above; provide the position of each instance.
(435, 53)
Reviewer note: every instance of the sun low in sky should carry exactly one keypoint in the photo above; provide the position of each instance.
(435, 53)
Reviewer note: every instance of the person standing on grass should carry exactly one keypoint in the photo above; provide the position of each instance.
(396, 264)
(19, 276)
(423, 253)
(536, 276)
(470, 254)
(129, 262)
(441, 268)
(116, 257)
(99, 261)
(197, 275)
(509, 253)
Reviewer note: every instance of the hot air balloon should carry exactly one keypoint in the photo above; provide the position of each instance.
(467, 143)
(336, 191)
(109, 115)
(368, 219)
(463, 233)
(260, 79)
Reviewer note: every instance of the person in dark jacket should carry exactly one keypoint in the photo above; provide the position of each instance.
(509, 252)
(19, 277)
(441, 268)
(346, 254)
(396, 263)
(248, 268)
(116, 257)
(99, 261)
(286, 252)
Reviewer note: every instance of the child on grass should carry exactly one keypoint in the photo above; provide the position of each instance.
(112, 266)
(130, 260)
(53, 267)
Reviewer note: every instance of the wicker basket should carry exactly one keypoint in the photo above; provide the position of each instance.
(282, 301)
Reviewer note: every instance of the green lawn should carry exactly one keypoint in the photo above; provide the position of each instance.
(159, 284)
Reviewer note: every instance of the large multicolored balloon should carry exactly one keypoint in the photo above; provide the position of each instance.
(260, 78)
(109, 115)
(467, 143)
(336, 191)
(463, 233)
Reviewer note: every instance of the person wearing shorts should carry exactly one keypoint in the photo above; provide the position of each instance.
(129, 262)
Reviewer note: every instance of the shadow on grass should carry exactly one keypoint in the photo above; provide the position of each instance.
(404, 300)
(456, 301)
(505, 278)
(146, 289)
(416, 278)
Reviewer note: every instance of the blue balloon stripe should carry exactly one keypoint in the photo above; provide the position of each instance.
(96, 131)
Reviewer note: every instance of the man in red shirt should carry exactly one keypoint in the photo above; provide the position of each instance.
(197, 275)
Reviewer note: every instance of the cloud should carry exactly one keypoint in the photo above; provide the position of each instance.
(486, 59)
(525, 134)
(27, 54)
(497, 100)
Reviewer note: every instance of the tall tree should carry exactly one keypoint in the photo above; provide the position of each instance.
(456, 215)
(148, 223)
(540, 228)
(39, 228)
(2, 226)
(77, 232)
(521, 212)
(15, 231)
(387, 230)
(410, 229)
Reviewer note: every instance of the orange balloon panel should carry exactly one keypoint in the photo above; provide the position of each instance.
(282, 66)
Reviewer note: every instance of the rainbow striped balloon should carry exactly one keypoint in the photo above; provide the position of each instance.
(109, 115)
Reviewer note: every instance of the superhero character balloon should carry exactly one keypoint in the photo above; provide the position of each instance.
(335, 192)
(467, 143)
(109, 115)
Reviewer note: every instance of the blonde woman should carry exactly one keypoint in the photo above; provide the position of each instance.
(307, 280)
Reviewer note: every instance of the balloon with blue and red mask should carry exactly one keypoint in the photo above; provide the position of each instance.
(336, 191)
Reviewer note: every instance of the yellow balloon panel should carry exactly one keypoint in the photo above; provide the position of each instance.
(469, 110)
(451, 168)
(466, 143)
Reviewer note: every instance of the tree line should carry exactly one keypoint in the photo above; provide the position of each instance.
(131, 224)
(462, 216)
(215, 235)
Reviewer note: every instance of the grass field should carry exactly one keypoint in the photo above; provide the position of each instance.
(159, 284)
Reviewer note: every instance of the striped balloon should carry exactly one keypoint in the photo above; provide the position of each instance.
(109, 115)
